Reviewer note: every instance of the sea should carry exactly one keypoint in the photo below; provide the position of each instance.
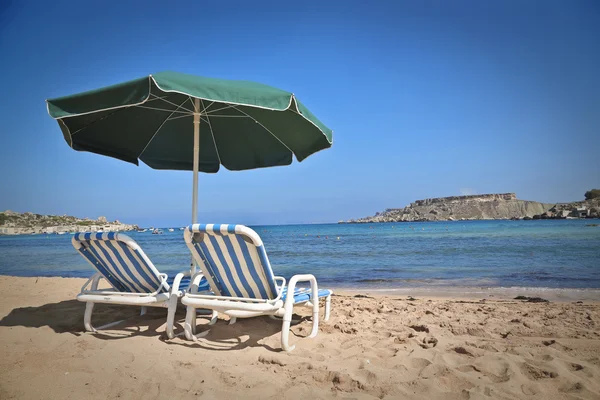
(484, 254)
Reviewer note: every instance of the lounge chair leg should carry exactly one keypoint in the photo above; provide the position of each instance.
(143, 310)
(232, 320)
(285, 329)
(171, 316)
(315, 320)
(194, 323)
(327, 307)
(87, 317)
(190, 323)
(213, 318)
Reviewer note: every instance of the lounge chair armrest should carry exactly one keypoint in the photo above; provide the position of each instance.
(289, 300)
(175, 287)
(163, 282)
(280, 287)
(195, 282)
(94, 280)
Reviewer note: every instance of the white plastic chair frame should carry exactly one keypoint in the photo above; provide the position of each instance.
(242, 307)
(90, 294)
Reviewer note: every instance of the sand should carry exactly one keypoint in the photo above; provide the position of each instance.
(389, 346)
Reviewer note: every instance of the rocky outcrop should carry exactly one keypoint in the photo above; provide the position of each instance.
(486, 206)
(458, 199)
(12, 223)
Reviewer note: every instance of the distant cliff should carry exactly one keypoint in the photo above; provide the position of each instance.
(12, 223)
(485, 206)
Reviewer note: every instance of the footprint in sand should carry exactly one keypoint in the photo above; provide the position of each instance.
(433, 371)
(575, 367)
(578, 369)
(535, 373)
(468, 368)
(428, 342)
(577, 388)
(341, 381)
(544, 357)
(420, 328)
(497, 371)
(462, 350)
(529, 389)
(594, 361)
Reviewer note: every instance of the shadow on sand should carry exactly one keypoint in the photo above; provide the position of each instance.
(250, 332)
(67, 317)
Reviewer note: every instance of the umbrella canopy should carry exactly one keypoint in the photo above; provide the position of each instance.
(158, 119)
(243, 125)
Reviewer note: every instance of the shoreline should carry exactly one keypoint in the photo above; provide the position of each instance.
(433, 292)
(478, 293)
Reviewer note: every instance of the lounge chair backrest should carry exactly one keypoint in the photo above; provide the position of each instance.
(120, 260)
(233, 260)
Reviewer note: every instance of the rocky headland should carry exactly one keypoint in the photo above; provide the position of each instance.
(482, 207)
(13, 223)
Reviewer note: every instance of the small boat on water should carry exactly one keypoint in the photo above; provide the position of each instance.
(142, 230)
(60, 233)
(171, 230)
(181, 229)
(157, 232)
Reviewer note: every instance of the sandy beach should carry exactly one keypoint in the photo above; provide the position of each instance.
(393, 345)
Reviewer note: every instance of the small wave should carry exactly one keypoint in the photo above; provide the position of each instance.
(381, 280)
(389, 280)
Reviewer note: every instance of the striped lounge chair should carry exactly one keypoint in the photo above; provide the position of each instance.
(234, 261)
(134, 280)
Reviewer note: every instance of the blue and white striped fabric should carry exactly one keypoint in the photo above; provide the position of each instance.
(125, 267)
(203, 286)
(302, 295)
(235, 261)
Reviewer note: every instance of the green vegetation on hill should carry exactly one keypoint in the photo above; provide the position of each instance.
(592, 194)
(86, 222)
(26, 220)
(13, 223)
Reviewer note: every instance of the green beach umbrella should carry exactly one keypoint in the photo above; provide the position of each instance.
(177, 121)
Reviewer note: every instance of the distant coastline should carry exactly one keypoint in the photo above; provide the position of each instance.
(498, 206)
(13, 223)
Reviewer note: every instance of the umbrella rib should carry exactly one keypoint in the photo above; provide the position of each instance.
(180, 116)
(166, 110)
(114, 112)
(100, 119)
(190, 98)
(230, 116)
(174, 104)
(212, 133)
(154, 98)
(60, 121)
(219, 109)
(205, 108)
(159, 128)
(266, 129)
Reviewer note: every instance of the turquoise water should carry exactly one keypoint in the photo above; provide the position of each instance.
(545, 253)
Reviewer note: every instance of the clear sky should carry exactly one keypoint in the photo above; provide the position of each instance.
(426, 99)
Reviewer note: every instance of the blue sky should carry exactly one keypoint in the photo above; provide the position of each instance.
(426, 99)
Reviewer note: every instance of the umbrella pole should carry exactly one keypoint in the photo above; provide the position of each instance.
(196, 167)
